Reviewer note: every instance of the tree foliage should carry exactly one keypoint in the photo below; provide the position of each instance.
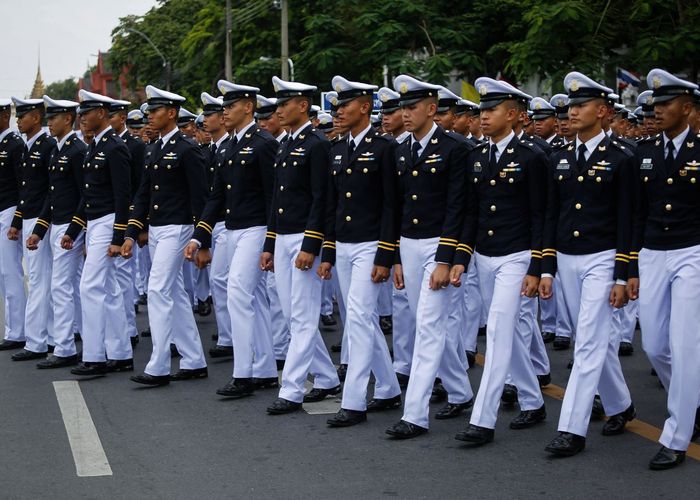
(64, 89)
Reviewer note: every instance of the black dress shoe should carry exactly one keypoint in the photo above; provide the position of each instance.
(328, 320)
(561, 343)
(146, 332)
(280, 364)
(282, 406)
(528, 418)
(566, 444)
(77, 337)
(174, 353)
(203, 308)
(402, 379)
(120, 365)
(616, 424)
(337, 347)
(666, 458)
(190, 374)
(266, 383)
(152, 380)
(347, 418)
(377, 404)
(8, 345)
(548, 337)
(510, 394)
(439, 393)
(143, 299)
(453, 410)
(50, 348)
(317, 394)
(26, 355)
(90, 369)
(625, 349)
(57, 362)
(405, 430)
(544, 380)
(221, 351)
(482, 331)
(386, 324)
(237, 388)
(342, 372)
(134, 341)
(475, 435)
(597, 410)
(471, 358)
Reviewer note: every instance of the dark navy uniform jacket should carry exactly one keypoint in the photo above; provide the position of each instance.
(65, 181)
(299, 191)
(137, 152)
(431, 191)
(106, 184)
(173, 188)
(361, 203)
(242, 184)
(33, 179)
(589, 209)
(505, 207)
(11, 150)
(667, 213)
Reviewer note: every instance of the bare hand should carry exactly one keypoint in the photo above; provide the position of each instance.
(304, 261)
(440, 277)
(13, 234)
(267, 262)
(398, 277)
(115, 251)
(33, 242)
(618, 296)
(529, 288)
(456, 275)
(202, 258)
(545, 289)
(126, 249)
(324, 270)
(633, 288)
(142, 239)
(380, 274)
(66, 242)
(191, 250)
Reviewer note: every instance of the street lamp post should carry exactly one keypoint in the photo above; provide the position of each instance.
(166, 63)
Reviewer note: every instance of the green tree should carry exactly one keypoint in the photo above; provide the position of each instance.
(64, 89)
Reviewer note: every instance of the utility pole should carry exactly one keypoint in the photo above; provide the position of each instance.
(227, 66)
(284, 58)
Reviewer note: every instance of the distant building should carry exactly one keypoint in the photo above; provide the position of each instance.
(39, 88)
(101, 80)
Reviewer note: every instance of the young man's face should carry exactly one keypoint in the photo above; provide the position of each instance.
(415, 116)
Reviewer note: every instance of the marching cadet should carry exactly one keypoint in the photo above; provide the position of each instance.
(171, 195)
(447, 104)
(201, 136)
(503, 226)
(561, 113)
(59, 210)
(545, 121)
(463, 118)
(185, 122)
(359, 242)
(105, 202)
(665, 259)
(587, 241)
(243, 188)
(126, 268)
(11, 272)
(294, 238)
(215, 125)
(268, 120)
(134, 123)
(33, 189)
(430, 166)
(325, 125)
(645, 100)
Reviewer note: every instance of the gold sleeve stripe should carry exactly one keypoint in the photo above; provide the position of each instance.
(387, 244)
(308, 231)
(622, 259)
(136, 223)
(313, 236)
(390, 249)
(205, 226)
(447, 244)
(448, 239)
(42, 223)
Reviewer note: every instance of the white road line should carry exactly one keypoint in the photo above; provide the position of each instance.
(88, 454)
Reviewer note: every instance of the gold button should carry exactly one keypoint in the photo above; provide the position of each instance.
(348, 171)
(52, 188)
(414, 197)
(348, 194)
(284, 163)
(578, 206)
(668, 207)
(561, 177)
(22, 202)
(156, 187)
(415, 221)
(86, 185)
(24, 182)
(576, 234)
(155, 167)
(228, 186)
(493, 208)
(490, 232)
(415, 173)
(228, 211)
(155, 207)
(348, 218)
(580, 178)
(364, 170)
(646, 179)
(669, 181)
(432, 170)
(598, 179)
(665, 229)
(242, 162)
(281, 211)
(692, 180)
(87, 205)
(211, 169)
(281, 188)
(476, 180)
(510, 181)
(293, 164)
(230, 162)
(169, 167)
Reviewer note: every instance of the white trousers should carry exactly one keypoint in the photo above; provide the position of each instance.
(564, 328)
(201, 284)
(188, 270)
(384, 307)
(454, 365)
(12, 279)
(548, 311)
(126, 271)
(625, 321)
(586, 281)
(248, 306)
(38, 319)
(472, 307)
(170, 315)
(669, 314)
(104, 322)
(77, 304)
(144, 264)
(218, 278)
(429, 307)
(64, 269)
(300, 297)
(403, 332)
(507, 342)
(538, 352)
(366, 347)
(278, 322)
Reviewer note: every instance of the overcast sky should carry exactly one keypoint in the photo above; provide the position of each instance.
(69, 33)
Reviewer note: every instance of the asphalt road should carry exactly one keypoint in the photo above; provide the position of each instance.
(183, 441)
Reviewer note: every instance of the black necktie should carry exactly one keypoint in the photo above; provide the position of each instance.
(669, 156)
(213, 149)
(493, 161)
(351, 147)
(581, 158)
(414, 151)
(234, 140)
